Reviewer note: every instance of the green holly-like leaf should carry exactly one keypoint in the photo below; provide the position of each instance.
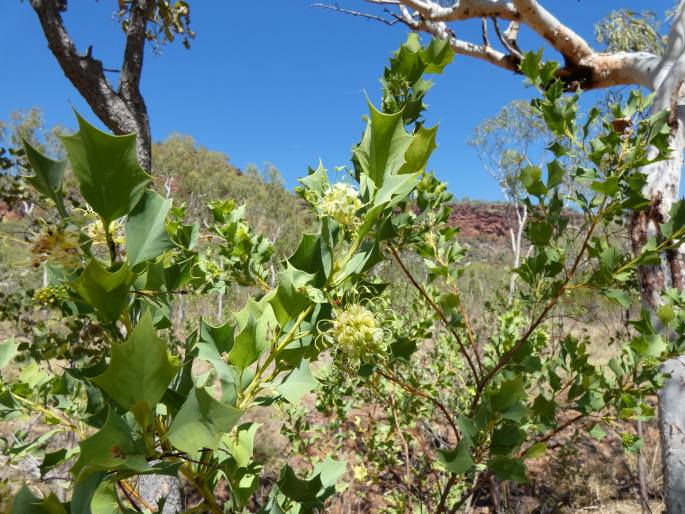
(201, 422)
(214, 343)
(649, 345)
(140, 369)
(106, 291)
(26, 503)
(48, 176)
(291, 297)
(509, 393)
(299, 382)
(420, 150)
(106, 166)
(240, 444)
(252, 340)
(381, 152)
(84, 492)
(8, 350)
(506, 438)
(506, 468)
(403, 83)
(111, 448)
(146, 235)
(105, 500)
(457, 460)
(303, 491)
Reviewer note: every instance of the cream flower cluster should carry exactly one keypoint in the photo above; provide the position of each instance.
(341, 202)
(56, 244)
(96, 232)
(357, 334)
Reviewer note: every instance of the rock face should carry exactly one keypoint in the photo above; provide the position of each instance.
(483, 220)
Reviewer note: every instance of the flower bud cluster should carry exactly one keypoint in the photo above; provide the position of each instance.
(358, 336)
(341, 202)
(56, 244)
(96, 232)
(52, 295)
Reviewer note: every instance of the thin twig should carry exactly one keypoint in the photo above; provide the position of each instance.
(335, 7)
(436, 308)
(484, 29)
(128, 496)
(554, 432)
(445, 492)
(428, 397)
(543, 315)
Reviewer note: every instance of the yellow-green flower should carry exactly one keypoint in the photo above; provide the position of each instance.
(95, 230)
(341, 202)
(357, 335)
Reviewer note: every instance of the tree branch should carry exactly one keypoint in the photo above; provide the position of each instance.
(123, 111)
(462, 10)
(84, 72)
(335, 7)
(132, 65)
(583, 67)
(440, 30)
(569, 44)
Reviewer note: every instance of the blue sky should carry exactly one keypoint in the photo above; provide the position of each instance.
(277, 80)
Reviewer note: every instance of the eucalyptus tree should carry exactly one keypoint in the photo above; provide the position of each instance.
(506, 144)
(120, 107)
(586, 68)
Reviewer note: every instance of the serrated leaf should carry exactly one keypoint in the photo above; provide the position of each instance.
(597, 432)
(140, 369)
(506, 438)
(106, 291)
(618, 296)
(110, 448)
(146, 235)
(201, 422)
(26, 503)
(299, 382)
(665, 313)
(329, 471)
(506, 468)
(651, 345)
(48, 176)
(457, 460)
(240, 444)
(291, 297)
(555, 174)
(509, 393)
(252, 340)
(8, 350)
(300, 490)
(382, 149)
(106, 166)
(420, 150)
(313, 255)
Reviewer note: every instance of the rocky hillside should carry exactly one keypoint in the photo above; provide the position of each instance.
(482, 220)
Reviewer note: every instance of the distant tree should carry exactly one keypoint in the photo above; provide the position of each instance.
(120, 107)
(506, 144)
(625, 30)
